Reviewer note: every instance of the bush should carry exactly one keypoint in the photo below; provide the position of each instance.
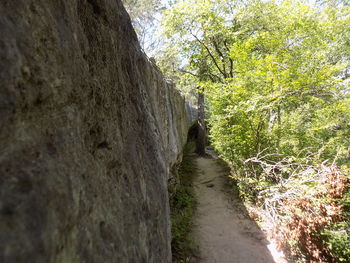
(312, 222)
(337, 236)
(305, 203)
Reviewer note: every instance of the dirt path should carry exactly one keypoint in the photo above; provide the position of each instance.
(224, 231)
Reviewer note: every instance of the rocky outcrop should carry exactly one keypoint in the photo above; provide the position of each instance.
(88, 132)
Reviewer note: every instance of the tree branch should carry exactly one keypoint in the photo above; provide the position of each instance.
(210, 54)
(230, 59)
(188, 72)
(221, 55)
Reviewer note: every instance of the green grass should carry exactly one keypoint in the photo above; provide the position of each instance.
(182, 205)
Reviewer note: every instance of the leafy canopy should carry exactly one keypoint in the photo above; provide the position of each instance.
(274, 73)
(276, 78)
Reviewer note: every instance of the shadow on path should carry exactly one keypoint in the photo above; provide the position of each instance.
(224, 231)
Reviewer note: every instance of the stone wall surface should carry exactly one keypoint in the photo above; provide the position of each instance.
(89, 131)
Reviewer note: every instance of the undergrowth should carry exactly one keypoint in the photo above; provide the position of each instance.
(304, 204)
(182, 205)
(314, 222)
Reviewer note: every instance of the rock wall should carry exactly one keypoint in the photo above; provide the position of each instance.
(88, 132)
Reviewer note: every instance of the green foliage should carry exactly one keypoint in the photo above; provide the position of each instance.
(182, 205)
(276, 78)
(337, 236)
(285, 95)
(274, 74)
(337, 239)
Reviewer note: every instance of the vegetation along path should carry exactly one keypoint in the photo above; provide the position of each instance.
(223, 228)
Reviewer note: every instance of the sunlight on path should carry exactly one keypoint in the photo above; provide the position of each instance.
(224, 232)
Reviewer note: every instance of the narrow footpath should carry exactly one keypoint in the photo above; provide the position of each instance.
(224, 231)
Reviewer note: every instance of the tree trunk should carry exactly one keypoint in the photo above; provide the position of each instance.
(279, 129)
(201, 142)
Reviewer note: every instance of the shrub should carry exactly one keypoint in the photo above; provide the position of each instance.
(311, 222)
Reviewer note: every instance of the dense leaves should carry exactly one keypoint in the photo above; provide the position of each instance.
(276, 78)
(312, 220)
(273, 73)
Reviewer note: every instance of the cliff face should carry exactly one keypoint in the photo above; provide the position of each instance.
(88, 132)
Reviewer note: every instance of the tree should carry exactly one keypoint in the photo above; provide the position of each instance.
(270, 72)
(201, 141)
(143, 16)
(200, 28)
(275, 75)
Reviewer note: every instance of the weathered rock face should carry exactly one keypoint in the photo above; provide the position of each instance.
(88, 132)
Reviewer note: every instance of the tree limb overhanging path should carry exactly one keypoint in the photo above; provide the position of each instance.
(224, 231)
